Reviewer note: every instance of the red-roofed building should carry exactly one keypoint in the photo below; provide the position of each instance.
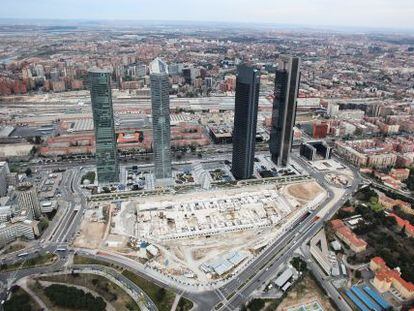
(347, 236)
(400, 173)
(389, 203)
(402, 223)
(320, 130)
(385, 278)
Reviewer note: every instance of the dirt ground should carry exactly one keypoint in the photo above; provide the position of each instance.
(306, 291)
(14, 247)
(91, 234)
(187, 255)
(304, 191)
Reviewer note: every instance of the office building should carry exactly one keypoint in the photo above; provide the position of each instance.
(245, 121)
(11, 231)
(175, 69)
(187, 75)
(160, 101)
(320, 129)
(4, 172)
(27, 199)
(106, 149)
(158, 66)
(332, 110)
(284, 109)
(315, 150)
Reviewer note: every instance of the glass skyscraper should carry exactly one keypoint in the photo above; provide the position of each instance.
(284, 109)
(160, 101)
(245, 121)
(103, 119)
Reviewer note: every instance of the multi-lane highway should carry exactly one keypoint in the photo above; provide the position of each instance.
(228, 295)
(282, 250)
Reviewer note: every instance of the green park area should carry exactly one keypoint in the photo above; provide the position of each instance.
(105, 288)
(380, 231)
(162, 297)
(89, 176)
(41, 260)
(83, 260)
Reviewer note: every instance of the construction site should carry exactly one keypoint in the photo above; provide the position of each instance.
(201, 236)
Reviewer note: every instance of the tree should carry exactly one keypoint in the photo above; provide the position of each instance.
(38, 140)
(43, 224)
(18, 302)
(256, 305)
(74, 298)
(161, 294)
(298, 264)
(365, 194)
(410, 180)
(28, 172)
(402, 232)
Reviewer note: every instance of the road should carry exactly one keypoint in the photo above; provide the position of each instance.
(130, 287)
(231, 294)
(283, 250)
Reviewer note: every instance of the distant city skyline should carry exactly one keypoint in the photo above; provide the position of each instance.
(352, 13)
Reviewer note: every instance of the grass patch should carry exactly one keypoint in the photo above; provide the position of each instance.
(89, 176)
(20, 301)
(42, 260)
(13, 248)
(184, 305)
(162, 297)
(82, 260)
(111, 292)
(259, 304)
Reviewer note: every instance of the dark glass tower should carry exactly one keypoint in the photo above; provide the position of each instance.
(103, 118)
(160, 101)
(245, 121)
(284, 109)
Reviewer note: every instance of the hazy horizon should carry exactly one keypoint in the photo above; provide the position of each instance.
(367, 14)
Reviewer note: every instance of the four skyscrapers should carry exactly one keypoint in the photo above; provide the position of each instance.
(245, 119)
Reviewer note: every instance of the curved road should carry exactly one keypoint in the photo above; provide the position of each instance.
(237, 290)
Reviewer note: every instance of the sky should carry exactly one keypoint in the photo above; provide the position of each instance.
(397, 14)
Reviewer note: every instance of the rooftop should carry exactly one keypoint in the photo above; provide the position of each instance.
(409, 228)
(340, 227)
(99, 70)
(384, 273)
